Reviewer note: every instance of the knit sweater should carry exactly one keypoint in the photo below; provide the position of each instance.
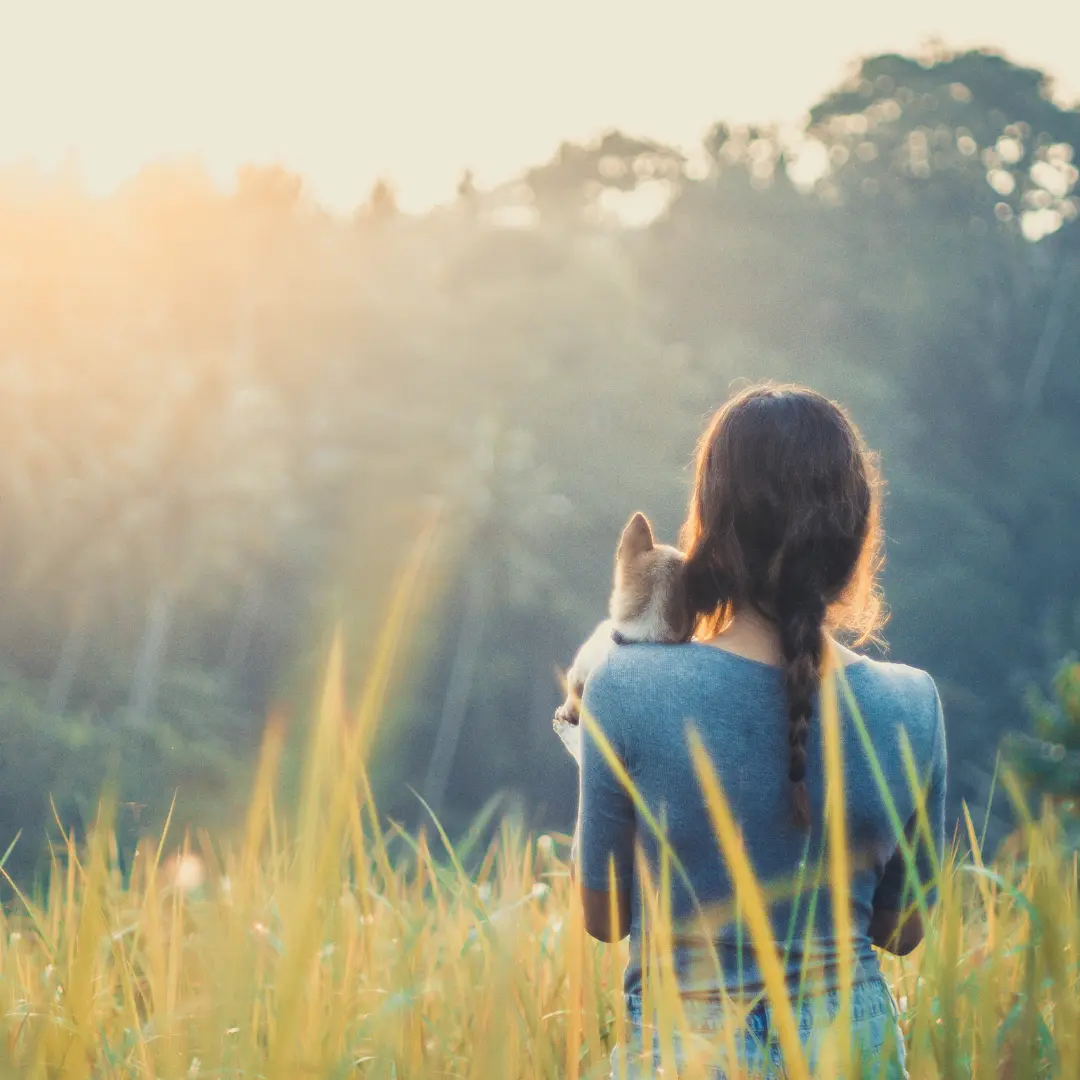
(645, 697)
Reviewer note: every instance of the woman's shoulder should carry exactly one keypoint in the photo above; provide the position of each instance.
(656, 677)
(626, 667)
(630, 670)
(898, 693)
(640, 684)
(898, 681)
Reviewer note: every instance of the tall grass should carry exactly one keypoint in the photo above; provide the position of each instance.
(329, 943)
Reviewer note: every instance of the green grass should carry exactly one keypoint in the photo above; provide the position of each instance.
(327, 943)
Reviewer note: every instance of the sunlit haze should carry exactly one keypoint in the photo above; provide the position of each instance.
(418, 90)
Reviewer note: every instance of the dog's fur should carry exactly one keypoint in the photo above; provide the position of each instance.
(648, 604)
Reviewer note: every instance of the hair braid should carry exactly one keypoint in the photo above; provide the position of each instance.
(801, 618)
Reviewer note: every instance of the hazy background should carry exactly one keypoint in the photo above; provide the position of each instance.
(348, 91)
(258, 319)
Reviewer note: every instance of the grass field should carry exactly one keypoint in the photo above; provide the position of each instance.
(327, 943)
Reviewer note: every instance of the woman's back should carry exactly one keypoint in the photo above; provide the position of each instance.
(645, 697)
(781, 547)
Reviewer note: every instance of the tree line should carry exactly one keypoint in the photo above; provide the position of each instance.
(226, 415)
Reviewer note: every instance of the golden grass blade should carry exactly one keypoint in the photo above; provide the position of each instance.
(83, 969)
(620, 1002)
(262, 795)
(754, 910)
(919, 787)
(670, 1013)
(329, 790)
(839, 863)
(1017, 799)
(391, 635)
(591, 1004)
(984, 884)
(575, 946)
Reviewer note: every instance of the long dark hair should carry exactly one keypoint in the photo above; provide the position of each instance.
(784, 519)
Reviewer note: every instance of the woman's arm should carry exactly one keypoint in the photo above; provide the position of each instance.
(604, 839)
(893, 927)
(597, 908)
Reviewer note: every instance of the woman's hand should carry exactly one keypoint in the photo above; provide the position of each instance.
(597, 907)
(896, 932)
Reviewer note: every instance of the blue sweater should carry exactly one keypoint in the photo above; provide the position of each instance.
(644, 697)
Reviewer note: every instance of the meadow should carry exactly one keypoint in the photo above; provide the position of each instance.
(326, 941)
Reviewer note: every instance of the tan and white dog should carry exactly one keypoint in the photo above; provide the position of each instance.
(648, 604)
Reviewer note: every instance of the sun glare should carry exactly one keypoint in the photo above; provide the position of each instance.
(346, 93)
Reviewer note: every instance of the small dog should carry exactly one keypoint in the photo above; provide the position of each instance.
(648, 603)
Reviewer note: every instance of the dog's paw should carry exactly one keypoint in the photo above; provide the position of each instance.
(570, 734)
(567, 713)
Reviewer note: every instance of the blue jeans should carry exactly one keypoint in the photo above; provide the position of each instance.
(878, 1044)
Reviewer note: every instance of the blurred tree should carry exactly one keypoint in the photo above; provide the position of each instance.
(569, 190)
(381, 204)
(1047, 758)
(220, 415)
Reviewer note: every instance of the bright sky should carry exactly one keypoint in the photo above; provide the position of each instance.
(346, 90)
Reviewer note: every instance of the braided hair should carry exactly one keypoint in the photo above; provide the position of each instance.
(784, 521)
(800, 619)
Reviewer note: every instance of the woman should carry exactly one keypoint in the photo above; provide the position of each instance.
(782, 547)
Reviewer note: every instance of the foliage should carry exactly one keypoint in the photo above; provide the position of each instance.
(1048, 759)
(219, 413)
(54, 768)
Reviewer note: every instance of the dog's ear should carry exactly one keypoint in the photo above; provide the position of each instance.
(636, 539)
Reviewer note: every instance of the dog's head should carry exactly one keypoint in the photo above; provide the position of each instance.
(649, 601)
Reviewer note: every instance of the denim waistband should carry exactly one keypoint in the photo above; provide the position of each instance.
(870, 999)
